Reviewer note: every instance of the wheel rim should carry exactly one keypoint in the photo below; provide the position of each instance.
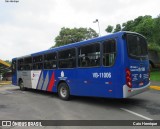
(63, 92)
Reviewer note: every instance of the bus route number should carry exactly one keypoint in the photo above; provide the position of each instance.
(102, 75)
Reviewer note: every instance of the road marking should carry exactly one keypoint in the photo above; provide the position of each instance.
(147, 118)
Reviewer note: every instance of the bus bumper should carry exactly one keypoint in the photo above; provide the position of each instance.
(128, 92)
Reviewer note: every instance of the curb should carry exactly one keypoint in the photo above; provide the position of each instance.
(155, 87)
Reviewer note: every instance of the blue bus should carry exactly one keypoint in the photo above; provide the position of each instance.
(112, 66)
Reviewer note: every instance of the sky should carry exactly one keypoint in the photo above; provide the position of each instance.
(29, 26)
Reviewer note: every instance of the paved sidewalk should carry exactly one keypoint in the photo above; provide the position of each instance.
(155, 83)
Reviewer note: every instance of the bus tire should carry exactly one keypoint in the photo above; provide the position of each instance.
(21, 85)
(63, 91)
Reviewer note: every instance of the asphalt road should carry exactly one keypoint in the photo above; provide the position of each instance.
(38, 105)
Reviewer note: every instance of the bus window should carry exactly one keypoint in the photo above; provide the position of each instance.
(37, 59)
(67, 58)
(89, 56)
(109, 52)
(50, 61)
(28, 63)
(38, 62)
(137, 46)
(20, 64)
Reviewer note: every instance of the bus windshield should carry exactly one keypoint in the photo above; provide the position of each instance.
(137, 46)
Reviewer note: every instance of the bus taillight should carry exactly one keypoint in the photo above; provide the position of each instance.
(128, 78)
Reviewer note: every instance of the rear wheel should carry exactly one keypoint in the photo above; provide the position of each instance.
(63, 91)
(21, 85)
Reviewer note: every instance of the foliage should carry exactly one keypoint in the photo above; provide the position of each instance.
(156, 30)
(109, 28)
(8, 61)
(67, 35)
(118, 28)
(127, 26)
(145, 25)
(154, 47)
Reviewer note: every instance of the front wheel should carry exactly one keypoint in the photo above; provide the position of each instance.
(63, 91)
(21, 85)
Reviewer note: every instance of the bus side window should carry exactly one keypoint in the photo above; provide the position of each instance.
(28, 63)
(20, 64)
(89, 55)
(38, 62)
(50, 61)
(109, 52)
(67, 58)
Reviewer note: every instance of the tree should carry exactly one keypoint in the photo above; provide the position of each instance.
(109, 29)
(145, 25)
(67, 35)
(141, 24)
(136, 25)
(156, 30)
(128, 26)
(118, 28)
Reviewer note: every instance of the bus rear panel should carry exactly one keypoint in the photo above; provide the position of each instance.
(137, 70)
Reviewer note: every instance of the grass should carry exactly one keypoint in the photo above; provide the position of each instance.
(155, 75)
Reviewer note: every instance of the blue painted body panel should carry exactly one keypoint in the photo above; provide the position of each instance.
(14, 79)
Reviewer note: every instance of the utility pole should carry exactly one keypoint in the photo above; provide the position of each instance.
(97, 21)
